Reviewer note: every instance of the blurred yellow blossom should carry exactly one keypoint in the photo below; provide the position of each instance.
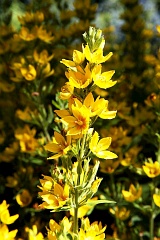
(133, 194)
(42, 57)
(158, 28)
(27, 34)
(130, 156)
(120, 213)
(46, 71)
(24, 198)
(43, 35)
(152, 169)
(33, 233)
(108, 166)
(5, 234)
(27, 140)
(9, 152)
(25, 114)
(29, 72)
(11, 181)
(6, 87)
(29, 17)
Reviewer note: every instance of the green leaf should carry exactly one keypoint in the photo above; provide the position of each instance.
(95, 202)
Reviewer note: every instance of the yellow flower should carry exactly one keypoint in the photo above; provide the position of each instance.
(102, 80)
(6, 87)
(158, 28)
(46, 71)
(92, 231)
(78, 59)
(28, 35)
(54, 228)
(11, 182)
(31, 17)
(79, 78)
(78, 123)
(96, 56)
(3, 206)
(44, 35)
(60, 146)
(106, 114)
(4, 214)
(24, 198)
(156, 198)
(25, 114)
(47, 183)
(130, 156)
(99, 147)
(33, 233)
(26, 139)
(6, 218)
(152, 169)
(5, 234)
(66, 91)
(9, 152)
(133, 194)
(59, 229)
(120, 213)
(42, 57)
(29, 73)
(95, 107)
(56, 197)
(108, 166)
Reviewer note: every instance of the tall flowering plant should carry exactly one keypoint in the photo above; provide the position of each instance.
(76, 144)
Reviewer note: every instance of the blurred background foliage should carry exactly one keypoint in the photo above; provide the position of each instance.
(34, 37)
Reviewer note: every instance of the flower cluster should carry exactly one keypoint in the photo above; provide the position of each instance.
(6, 219)
(72, 185)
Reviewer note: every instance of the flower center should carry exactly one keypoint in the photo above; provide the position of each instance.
(79, 122)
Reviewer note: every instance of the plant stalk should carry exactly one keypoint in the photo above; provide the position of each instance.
(75, 218)
(152, 222)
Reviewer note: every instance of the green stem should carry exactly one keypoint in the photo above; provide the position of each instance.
(75, 218)
(82, 147)
(152, 211)
(113, 188)
(152, 222)
(46, 134)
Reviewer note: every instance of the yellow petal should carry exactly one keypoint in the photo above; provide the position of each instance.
(78, 57)
(6, 218)
(156, 198)
(104, 143)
